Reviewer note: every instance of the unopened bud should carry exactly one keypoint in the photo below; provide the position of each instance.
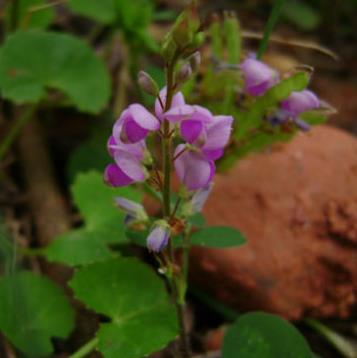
(184, 74)
(147, 84)
(195, 61)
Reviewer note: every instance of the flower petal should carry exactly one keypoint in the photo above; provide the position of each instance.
(193, 170)
(129, 165)
(200, 197)
(191, 130)
(218, 132)
(143, 117)
(176, 114)
(299, 102)
(177, 100)
(158, 238)
(114, 176)
(132, 132)
(213, 154)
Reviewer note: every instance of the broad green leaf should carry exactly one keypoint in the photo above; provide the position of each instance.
(102, 11)
(217, 236)
(253, 117)
(135, 299)
(302, 14)
(197, 220)
(52, 61)
(32, 311)
(258, 335)
(79, 247)
(104, 222)
(29, 14)
(130, 15)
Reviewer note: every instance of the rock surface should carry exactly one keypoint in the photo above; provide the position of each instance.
(297, 206)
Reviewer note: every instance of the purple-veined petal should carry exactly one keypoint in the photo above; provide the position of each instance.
(193, 170)
(191, 130)
(299, 102)
(218, 132)
(114, 176)
(158, 238)
(200, 197)
(177, 100)
(202, 114)
(130, 165)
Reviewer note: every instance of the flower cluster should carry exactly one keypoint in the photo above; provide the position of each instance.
(203, 136)
(259, 77)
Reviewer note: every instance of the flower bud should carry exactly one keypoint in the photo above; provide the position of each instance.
(133, 209)
(184, 73)
(195, 61)
(147, 84)
(299, 102)
(159, 236)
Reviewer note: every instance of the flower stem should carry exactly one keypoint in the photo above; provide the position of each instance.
(85, 349)
(174, 281)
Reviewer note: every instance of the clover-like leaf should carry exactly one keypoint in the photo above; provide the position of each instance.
(217, 236)
(258, 334)
(135, 299)
(32, 311)
(104, 222)
(33, 61)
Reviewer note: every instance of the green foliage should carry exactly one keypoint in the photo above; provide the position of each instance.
(135, 299)
(257, 335)
(104, 223)
(32, 311)
(26, 17)
(301, 14)
(34, 61)
(273, 19)
(217, 236)
(102, 11)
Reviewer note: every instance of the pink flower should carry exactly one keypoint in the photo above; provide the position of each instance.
(299, 102)
(135, 124)
(158, 237)
(177, 101)
(258, 77)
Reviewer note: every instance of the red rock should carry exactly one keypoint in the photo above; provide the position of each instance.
(297, 206)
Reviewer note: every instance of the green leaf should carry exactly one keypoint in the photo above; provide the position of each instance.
(130, 15)
(258, 335)
(254, 116)
(273, 19)
(53, 61)
(102, 11)
(104, 222)
(32, 311)
(217, 236)
(29, 19)
(134, 298)
(302, 15)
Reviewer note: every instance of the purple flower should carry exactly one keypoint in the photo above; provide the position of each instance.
(177, 101)
(199, 198)
(258, 76)
(128, 167)
(158, 237)
(135, 210)
(299, 102)
(193, 169)
(135, 124)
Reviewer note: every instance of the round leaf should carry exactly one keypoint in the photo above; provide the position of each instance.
(32, 311)
(258, 335)
(34, 61)
(135, 299)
